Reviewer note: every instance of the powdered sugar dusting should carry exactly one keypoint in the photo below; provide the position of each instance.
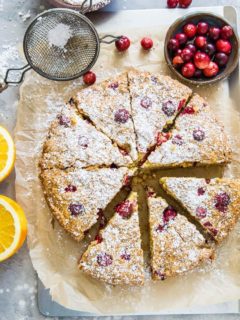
(59, 35)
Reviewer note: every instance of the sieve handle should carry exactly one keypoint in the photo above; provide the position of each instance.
(4, 84)
(88, 8)
(113, 39)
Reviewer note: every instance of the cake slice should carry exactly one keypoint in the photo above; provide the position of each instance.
(76, 196)
(156, 100)
(107, 105)
(73, 141)
(197, 139)
(176, 245)
(214, 203)
(116, 257)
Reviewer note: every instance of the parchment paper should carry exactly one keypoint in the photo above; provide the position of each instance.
(55, 255)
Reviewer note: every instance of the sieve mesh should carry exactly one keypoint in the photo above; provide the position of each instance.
(66, 62)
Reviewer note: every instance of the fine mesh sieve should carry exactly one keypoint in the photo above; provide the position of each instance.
(60, 62)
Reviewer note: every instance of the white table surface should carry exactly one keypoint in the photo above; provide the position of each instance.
(18, 280)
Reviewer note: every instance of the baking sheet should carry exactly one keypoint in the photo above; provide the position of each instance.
(40, 101)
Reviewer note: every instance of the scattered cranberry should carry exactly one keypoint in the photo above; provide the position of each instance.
(200, 41)
(212, 70)
(173, 44)
(202, 28)
(125, 209)
(125, 256)
(209, 49)
(190, 30)
(182, 38)
(146, 102)
(172, 3)
(201, 60)
(177, 139)
(226, 32)
(198, 134)
(188, 110)
(162, 138)
(224, 46)
(177, 61)
(186, 55)
(198, 73)
(168, 108)
(160, 228)
(113, 85)
(222, 201)
(104, 259)
(188, 70)
(201, 212)
(121, 116)
(146, 43)
(184, 3)
(181, 104)
(123, 43)
(179, 52)
(191, 47)
(76, 209)
(70, 188)
(89, 78)
(64, 121)
(169, 214)
(83, 142)
(221, 59)
(98, 238)
(201, 191)
(208, 224)
(214, 33)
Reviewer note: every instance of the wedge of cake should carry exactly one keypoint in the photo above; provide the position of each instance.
(214, 203)
(197, 139)
(156, 100)
(73, 141)
(116, 257)
(75, 196)
(107, 105)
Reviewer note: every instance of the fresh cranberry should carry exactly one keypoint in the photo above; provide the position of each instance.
(182, 38)
(201, 60)
(188, 70)
(104, 259)
(186, 55)
(188, 110)
(198, 73)
(191, 47)
(121, 116)
(201, 191)
(98, 238)
(177, 61)
(202, 28)
(64, 121)
(169, 214)
(184, 3)
(212, 70)
(76, 209)
(125, 209)
(160, 228)
(123, 43)
(125, 256)
(214, 33)
(222, 201)
(224, 46)
(208, 224)
(172, 3)
(198, 134)
(162, 138)
(177, 139)
(146, 102)
(200, 41)
(89, 78)
(226, 32)
(201, 212)
(161, 275)
(83, 142)
(168, 108)
(179, 52)
(209, 49)
(70, 188)
(146, 43)
(190, 30)
(113, 85)
(221, 59)
(173, 44)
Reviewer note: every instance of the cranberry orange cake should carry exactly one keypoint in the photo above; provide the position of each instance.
(116, 257)
(197, 139)
(176, 245)
(214, 203)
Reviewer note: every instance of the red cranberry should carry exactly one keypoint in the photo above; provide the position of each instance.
(76, 209)
(125, 256)
(202, 28)
(123, 43)
(146, 43)
(211, 70)
(162, 137)
(191, 47)
(71, 188)
(209, 49)
(125, 209)
(177, 61)
(146, 102)
(179, 52)
(201, 60)
(224, 46)
(188, 70)
(188, 110)
(104, 259)
(98, 238)
(201, 212)
(186, 55)
(214, 33)
(169, 214)
(160, 228)
(89, 78)
(184, 3)
(198, 134)
(190, 30)
(201, 191)
(177, 139)
(200, 41)
(172, 3)
(208, 224)
(64, 121)
(226, 32)
(222, 201)
(198, 73)
(168, 108)
(83, 142)
(113, 85)
(182, 38)
(121, 116)
(173, 44)
(181, 104)
(221, 59)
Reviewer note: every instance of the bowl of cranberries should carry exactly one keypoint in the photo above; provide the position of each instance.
(201, 48)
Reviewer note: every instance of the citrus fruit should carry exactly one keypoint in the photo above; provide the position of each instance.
(7, 153)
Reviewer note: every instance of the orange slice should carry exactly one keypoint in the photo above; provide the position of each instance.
(13, 227)
(7, 153)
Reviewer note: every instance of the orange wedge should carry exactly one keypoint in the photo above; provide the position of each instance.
(13, 227)
(7, 153)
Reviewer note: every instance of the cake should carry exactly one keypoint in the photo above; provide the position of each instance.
(116, 257)
(156, 101)
(197, 139)
(176, 245)
(75, 196)
(214, 203)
